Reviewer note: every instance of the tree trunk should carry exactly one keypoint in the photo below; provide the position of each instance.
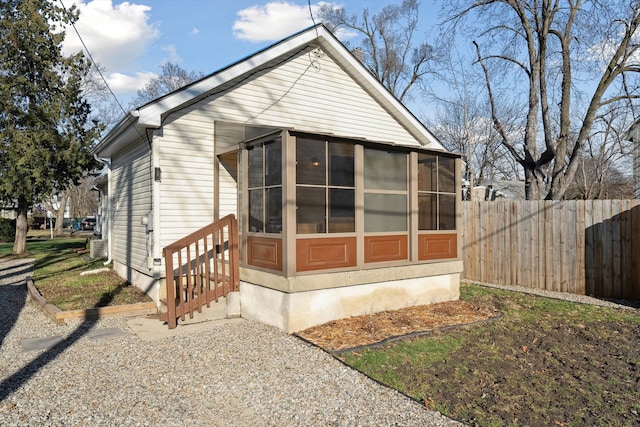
(64, 197)
(20, 242)
(532, 184)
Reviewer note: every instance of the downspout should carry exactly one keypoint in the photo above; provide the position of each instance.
(107, 163)
(156, 249)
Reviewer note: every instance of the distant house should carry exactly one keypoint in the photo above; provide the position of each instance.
(499, 189)
(346, 203)
(8, 211)
(633, 134)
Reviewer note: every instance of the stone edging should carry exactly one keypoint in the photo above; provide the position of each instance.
(60, 317)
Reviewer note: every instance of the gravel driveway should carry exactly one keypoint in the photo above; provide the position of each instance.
(237, 373)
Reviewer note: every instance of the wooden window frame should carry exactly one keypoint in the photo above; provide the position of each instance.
(262, 250)
(361, 250)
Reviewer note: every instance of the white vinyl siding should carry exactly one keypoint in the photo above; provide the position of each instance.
(315, 97)
(320, 99)
(186, 158)
(228, 197)
(131, 181)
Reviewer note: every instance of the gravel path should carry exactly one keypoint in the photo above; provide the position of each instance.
(237, 374)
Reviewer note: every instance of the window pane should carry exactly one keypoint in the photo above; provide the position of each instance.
(255, 166)
(385, 212)
(341, 211)
(446, 175)
(274, 210)
(256, 215)
(427, 172)
(384, 170)
(427, 212)
(311, 209)
(311, 161)
(273, 162)
(341, 165)
(447, 211)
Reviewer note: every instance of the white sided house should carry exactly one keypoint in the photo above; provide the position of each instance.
(345, 203)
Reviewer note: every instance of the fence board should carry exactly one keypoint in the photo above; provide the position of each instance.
(583, 247)
(589, 252)
(634, 290)
(513, 235)
(579, 231)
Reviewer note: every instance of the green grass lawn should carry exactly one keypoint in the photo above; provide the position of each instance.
(545, 362)
(58, 265)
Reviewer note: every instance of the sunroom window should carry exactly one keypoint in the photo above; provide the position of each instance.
(436, 192)
(265, 186)
(385, 191)
(325, 187)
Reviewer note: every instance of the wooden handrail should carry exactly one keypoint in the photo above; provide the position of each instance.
(207, 268)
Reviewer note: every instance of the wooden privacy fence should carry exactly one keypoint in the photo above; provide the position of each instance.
(586, 247)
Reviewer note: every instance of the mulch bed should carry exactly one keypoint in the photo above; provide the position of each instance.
(353, 332)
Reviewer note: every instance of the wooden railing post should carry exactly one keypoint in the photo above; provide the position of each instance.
(190, 293)
(234, 254)
(170, 280)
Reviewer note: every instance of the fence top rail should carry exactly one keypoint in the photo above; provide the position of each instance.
(199, 234)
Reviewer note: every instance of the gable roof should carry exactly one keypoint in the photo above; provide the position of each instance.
(149, 116)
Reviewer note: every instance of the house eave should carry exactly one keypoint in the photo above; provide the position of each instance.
(128, 130)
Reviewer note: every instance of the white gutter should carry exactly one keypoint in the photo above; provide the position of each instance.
(107, 163)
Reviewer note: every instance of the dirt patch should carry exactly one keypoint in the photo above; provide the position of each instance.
(544, 362)
(574, 373)
(369, 329)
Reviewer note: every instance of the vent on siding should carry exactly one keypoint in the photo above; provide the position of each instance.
(97, 248)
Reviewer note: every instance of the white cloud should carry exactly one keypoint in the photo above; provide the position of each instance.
(273, 21)
(116, 35)
(123, 84)
(194, 31)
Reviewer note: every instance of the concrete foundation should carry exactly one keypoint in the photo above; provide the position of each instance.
(296, 303)
(293, 312)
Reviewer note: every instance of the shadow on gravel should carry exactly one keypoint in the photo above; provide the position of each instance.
(7, 273)
(13, 295)
(15, 381)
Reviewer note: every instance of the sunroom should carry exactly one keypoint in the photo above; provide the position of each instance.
(332, 227)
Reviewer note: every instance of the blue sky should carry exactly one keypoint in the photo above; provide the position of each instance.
(132, 39)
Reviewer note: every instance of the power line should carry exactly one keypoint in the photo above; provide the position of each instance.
(92, 60)
(313, 19)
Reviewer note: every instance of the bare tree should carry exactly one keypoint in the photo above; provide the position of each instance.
(393, 51)
(83, 199)
(571, 61)
(105, 106)
(461, 118)
(600, 171)
(171, 78)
